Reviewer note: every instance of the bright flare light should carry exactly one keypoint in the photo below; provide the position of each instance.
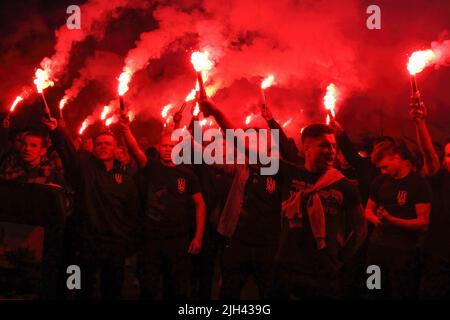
(84, 125)
(42, 80)
(106, 110)
(165, 110)
(248, 119)
(267, 82)
(329, 100)
(63, 102)
(16, 101)
(124, 79)
(419, 60)
(201, 61)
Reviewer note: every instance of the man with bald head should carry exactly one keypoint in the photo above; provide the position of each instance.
(169, 193)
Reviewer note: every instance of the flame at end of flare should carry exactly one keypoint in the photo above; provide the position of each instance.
(329, 100)
(201, 61)
(106, 110)
(328, 119)
(191, 95)
(165, 110)
(111, 120)
(196, 110)
(16, 101)
(124, 79)
(248, 119)
(84, 125)
(286, 123)
(62, 103)
(419, 60)
(202, 122)
(42, 80)
(267, 82)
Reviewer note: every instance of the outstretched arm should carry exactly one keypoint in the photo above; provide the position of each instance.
(132, 145)
(418, 115)
(65, 149)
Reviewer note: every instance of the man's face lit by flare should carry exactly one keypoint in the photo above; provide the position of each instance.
(321, 151)
(32, 149)
(105, 147)
(165, 148)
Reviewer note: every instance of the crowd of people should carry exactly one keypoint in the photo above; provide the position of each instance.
(309, 231)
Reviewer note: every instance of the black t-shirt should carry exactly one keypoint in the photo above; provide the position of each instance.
(298, 249)
(168, 199)
(260, 218)
(399, 197)
(438, 238)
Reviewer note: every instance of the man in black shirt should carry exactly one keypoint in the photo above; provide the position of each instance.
(323, 222)
(399, 208)
(435, 282)
(251, 221)
(105, 211)
(168, 193)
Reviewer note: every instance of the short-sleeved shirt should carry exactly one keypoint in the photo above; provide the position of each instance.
(399, 197)
(298, 249)
(168, 205)
(260, 218)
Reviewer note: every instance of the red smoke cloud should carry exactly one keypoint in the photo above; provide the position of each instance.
(305, 44)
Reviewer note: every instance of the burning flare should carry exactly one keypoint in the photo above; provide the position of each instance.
(248, 119)
(111, 120)
(105, 112)
(267, 82)
(196, 110)
(191, 95)
(42, 80)
(419, 60)
(165, 110)
(124, 79)
(287, 123)
(63, 102)
(84, 125)
(201, 61)
(16, 101)
(329, 100)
